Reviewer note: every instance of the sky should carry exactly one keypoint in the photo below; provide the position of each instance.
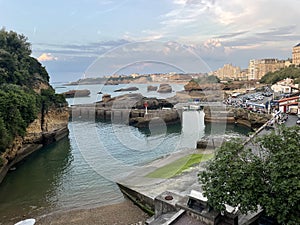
(89, 38)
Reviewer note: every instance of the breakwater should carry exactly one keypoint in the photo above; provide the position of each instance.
(135, 117)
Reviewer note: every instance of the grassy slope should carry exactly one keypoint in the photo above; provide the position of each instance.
(178, 166)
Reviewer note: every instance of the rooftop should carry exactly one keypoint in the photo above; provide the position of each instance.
(298, 45)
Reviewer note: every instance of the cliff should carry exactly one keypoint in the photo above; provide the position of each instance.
(32, 115)
(45, 129)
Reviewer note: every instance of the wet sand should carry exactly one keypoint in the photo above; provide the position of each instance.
(118, 214)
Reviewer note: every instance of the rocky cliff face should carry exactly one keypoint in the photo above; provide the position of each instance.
(47, 128)
(235, 115)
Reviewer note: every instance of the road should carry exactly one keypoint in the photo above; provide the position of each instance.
(291, 121)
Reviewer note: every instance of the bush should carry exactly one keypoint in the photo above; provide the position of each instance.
(19, 72)
(290, 72)
(18, 109)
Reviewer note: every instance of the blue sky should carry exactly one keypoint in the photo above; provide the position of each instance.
(101, 37)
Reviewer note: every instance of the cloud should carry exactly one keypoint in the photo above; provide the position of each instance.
(46, 57)
(231, 35)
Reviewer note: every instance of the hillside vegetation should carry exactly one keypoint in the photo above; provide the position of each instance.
(289, 72)
(20, 75)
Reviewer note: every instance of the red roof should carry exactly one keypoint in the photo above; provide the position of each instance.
(288, 104)
(288, 99)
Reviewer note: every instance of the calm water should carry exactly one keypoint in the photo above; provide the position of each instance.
(80, 170)
(109, 89)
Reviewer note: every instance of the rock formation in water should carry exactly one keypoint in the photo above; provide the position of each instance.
(152, 88)
(127, 89)
(128, 109)
(76, 93)
(164, 88)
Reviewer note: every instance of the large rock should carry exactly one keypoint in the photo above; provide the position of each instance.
(151, 88)
(195, 86)
(76, 93)
(164, 88)
(133, 101)
(156, 117)
(235, 115)
(127, 89)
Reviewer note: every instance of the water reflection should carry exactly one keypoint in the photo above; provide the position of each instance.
(61, 176)
(32, 186)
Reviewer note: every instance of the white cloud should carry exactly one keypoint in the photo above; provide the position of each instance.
(234, 20)
(212, 43)
(46, 57)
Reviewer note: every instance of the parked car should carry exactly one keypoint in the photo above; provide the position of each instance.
(298, 122)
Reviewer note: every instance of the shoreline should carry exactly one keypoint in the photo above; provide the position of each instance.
(121, 213)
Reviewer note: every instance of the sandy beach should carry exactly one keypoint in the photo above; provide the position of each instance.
(122, 213)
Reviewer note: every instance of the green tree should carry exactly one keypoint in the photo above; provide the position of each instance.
(5, 138)
(270, 178)
(19, 74)
(16, 64)
(18, 108)
(289, 72)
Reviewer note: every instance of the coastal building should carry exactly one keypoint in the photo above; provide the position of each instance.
(244, 74)
(252, 69)
(285, 86)
(259, 67)
(289, 105)
(296, 55)
(228, 71)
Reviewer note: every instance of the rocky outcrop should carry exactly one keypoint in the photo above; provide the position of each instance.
(246, 117)
(151, 88)
(235, 115)
(202, 96)
(196, 86)
(157, 118)
(38, 85)
(129, 109)
(132, 101)
(164, 88)
(76, 93)
(127, 89)
(47, 128)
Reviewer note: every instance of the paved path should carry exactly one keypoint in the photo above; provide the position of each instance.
(291, 121)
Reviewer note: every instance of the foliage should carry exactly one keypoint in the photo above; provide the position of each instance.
(270, 178)
(16, 64)
(19, 73)
(49, 98)
(18, 109)
(211, 79)
(178, 166)
(289, 72)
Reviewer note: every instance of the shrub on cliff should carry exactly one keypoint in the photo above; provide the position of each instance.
(50, 99)
(18, 109)
(20, 74)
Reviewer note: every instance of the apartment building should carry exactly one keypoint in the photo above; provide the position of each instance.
(296, 55)
(228, 71)
(259, 67)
